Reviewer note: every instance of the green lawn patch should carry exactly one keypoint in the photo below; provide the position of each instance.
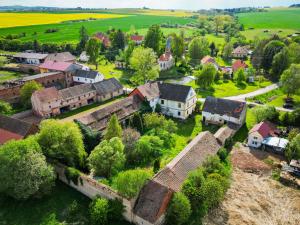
(228, 88)
(9, 75)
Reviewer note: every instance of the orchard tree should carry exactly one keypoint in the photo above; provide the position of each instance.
(153, 38)
(107, 158)
(294, 53)
(62, 141)
(130, 182)
(118, 40)
(113, 129)
(212, 193)
(27, 91)
(280, 63)
(218, 22)
(84, 37)
(129, 138)
(5, 108)
(128, 52)
(270, 50)
(265, 113)
(23, 169)
(227, 51)
(177, 47)
(198, 48)
(98, 210)
(179, 210)
(293, 149)
(93, 47)
(258, 54)
(143, 61)
(290, 80)
(240, 76)
(205, 77)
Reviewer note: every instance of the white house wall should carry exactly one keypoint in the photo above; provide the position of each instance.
(83, 80)
(255, 140)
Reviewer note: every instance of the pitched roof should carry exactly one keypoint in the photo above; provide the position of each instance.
(123, 108)
(58, 66)
(276, 142)
(91, 74)
(208, 59)
(223, 106)
(77, 90)
(239, 64)
(47, 94)
(61, 57)
(103, 37)
(265, 129)
(240, 50)
(137, 37)
(26, 55)
(174, 92)
(33, 77)
(152, 201)
(149, 90)
(14, 129)
(165, 57)
(107, 86)
(189, 159)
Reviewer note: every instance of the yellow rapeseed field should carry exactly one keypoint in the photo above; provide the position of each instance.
(27, 19)
(156, 12)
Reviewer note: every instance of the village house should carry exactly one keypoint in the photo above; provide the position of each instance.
(30, 58)
(239, 64)
(103, 38)
(224, 111)
(153, 200)
(15, 129)
(123, 109)
(87, 76)
(241, 52)
(61, 57)
(10, 90)
(50, 101)
(175, 100)
(209, 60)
(275, 144)
(261, 131)
(84, 57)
(137, 39)
(166, 61)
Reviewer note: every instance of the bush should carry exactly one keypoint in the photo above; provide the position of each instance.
(212, 193)
(265, 113)
(5, 108)
(99, 211)
(222, 153)
(72, 174)
(115, 210)
(179, 210)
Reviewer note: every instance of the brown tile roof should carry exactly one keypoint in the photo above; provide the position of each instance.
(165, 57)
(77, 90)
(47, 94)
(223, 106)
(189, 159)
(107, 86)
(239, 64)
(137, 37)
(123, 108)
(208, 59)
(240, 50)
(152, 201)
(61, 57)
(149, 90)
(11, 128)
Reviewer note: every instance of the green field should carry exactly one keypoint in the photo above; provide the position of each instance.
(8, 75)
(69, 32)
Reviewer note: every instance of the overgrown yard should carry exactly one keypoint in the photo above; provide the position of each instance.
(9, 75)
(228, 88)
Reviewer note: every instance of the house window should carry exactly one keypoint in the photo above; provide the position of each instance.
(179, 105)
(162, 102)
(254, 142)
(78, 98)
(179, 113)
(78, 78)
(255, 138)
(49, 106)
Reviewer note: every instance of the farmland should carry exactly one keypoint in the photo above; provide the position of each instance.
(70, 31)
(25, 19)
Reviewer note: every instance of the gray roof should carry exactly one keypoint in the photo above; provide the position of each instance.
(107, 86)
(174, 92)
(76, 91)
(91, 74)
(26, 55)
(61, 57)
(33, 77)
(223, 106)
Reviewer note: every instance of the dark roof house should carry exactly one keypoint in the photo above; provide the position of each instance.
(107, 86)
(14, 129)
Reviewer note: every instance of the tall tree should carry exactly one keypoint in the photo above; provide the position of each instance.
(280, 63)
(198, 48)
(84, 37)
(153, 38)
(179, 210)
(177, 46)
(240, 76)
(23, 169)
(205, 77)
(227, 51)
(218, 22)
(290, 80)
(212, 47)
(27, 91)
(257, 56)
(143, 61)
(98, 210)
(294, 53)
(113, 129)
(270, 50)
(62, 141)
(93, 51)
(107, 158)
(118, 40)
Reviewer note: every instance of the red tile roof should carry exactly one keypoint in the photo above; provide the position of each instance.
(265, 129)
(47, 94)
(165, 57)
(137, 37)
(103, 37)
(239, 64)
(7, 136)
(58, 66)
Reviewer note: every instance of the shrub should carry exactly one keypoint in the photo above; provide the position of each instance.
(72, 174)
(222, 153)
(99, 212)
(212, 193)
(5, 108)
(265, 113)
(115, 210)
(179, 210)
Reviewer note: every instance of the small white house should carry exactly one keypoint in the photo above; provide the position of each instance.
(87, 76)
(259, 132)
(224, 111)
(179, 104)
(84, 57)
(30, 58)
(166, 61)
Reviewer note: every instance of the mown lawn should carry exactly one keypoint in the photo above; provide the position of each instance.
(228, 88)
(9, 75)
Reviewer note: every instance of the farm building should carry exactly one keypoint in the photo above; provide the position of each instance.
(61, 57)
(239, 64)
(30, 58)
(103, 38)
(240, 52)
(87, 76)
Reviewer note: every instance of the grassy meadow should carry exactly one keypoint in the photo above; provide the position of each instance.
(69, 32)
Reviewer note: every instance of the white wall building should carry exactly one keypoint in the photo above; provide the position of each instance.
(87, 76)
(166, 61)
